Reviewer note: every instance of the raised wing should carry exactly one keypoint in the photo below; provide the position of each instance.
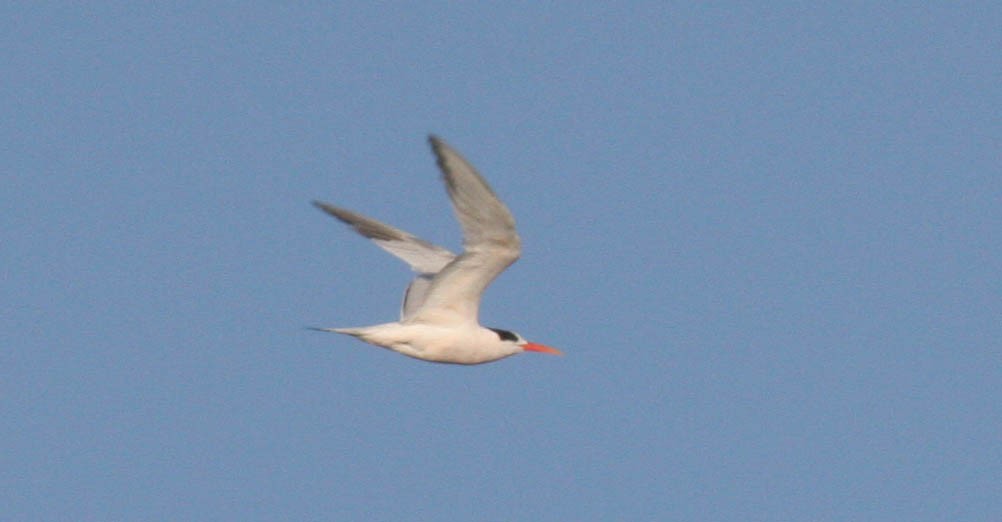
(490, 241)
(423, 257)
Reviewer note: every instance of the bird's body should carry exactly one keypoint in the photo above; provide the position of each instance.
(438, 320)
(471, 345)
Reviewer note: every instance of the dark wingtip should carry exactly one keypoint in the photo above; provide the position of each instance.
(331, 210)
(437, 144)
(328, 208)
(440, 148)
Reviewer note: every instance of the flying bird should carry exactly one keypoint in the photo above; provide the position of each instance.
(439, 317)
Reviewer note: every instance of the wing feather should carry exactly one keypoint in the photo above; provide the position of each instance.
(448, 288)
(423, 257)
(490, 241)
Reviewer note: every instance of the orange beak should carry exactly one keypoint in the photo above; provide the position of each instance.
(533, 347)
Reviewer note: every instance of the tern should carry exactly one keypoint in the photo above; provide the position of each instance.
(439, 317)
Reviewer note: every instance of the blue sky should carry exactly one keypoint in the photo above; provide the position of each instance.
(767, 239)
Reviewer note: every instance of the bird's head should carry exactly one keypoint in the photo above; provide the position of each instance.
(507, 336)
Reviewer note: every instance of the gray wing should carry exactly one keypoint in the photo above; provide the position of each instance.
(490, 241)
(423, 257)
(415, 295)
